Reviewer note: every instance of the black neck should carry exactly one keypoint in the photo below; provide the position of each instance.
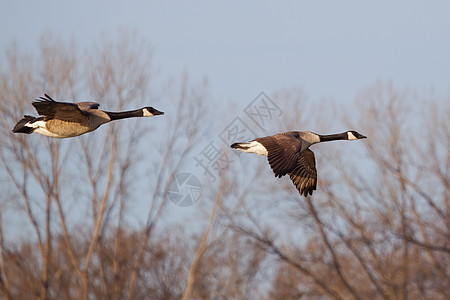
(125, 114)
(333, 137)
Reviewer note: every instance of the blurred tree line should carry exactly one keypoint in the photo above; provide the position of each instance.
(378, 227)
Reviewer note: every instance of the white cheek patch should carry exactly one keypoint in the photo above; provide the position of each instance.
(351, 136)
(146, 113)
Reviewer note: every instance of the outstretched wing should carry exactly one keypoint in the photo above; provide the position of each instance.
(304, 175)
(52, 109)
(283, 152)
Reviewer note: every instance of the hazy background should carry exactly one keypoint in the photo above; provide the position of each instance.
(90, 217)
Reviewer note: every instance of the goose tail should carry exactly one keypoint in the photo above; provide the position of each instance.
(251, 147)
(240, 146)
(23, 126)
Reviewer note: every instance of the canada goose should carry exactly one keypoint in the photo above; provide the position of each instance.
(64, 119)
(288, 153)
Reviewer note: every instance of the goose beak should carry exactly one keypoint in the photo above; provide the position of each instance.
(363, 137)
(157, 112)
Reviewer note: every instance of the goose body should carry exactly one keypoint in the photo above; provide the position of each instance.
(289, 153)
(64, 119)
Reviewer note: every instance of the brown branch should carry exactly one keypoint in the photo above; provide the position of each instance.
(98, 224)
(268, 245)
(4, 281)
(203, 245)
(337, 265)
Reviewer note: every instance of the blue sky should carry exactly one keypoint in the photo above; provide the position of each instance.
(331, 49)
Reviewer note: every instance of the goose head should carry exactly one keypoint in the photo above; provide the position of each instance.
(150, 112)
(353, 135)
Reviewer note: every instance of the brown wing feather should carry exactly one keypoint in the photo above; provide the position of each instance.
(52, 109)
(304, 176)
(283, 152)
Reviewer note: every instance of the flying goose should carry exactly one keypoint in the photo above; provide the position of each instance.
(288, 153)
(64, 119)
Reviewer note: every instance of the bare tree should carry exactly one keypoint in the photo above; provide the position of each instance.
(369, 232)
(67, 190)
(82, 218)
